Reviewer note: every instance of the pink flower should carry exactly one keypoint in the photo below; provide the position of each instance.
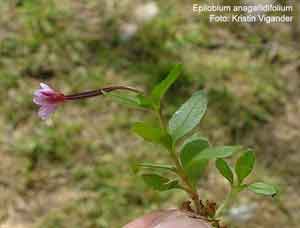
(48, 100)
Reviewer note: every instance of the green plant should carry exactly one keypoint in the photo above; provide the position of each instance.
(189, 152)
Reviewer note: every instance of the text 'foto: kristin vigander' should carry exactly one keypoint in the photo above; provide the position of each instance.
(250, 18)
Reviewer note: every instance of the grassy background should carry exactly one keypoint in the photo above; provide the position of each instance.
(74, 170)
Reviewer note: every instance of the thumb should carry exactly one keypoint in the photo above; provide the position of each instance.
(168, 219)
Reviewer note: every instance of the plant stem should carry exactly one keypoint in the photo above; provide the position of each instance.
(189, 188)
(98, 92)
(228, 200)
(161, 120)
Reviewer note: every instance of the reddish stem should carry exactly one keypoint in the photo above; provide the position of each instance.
(98, 92)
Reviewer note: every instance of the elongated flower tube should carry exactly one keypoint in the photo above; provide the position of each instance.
(48, 99)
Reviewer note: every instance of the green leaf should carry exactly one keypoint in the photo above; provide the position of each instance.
(160, 89)
(173, 184)
(244, 165)
(218, 152)
(198, 163)
(155, 181)
(224, 169)
(166, 141)
(128, 100)
(263, 189)
(188, 116)
(192, 138)
(195, 168)
(157, 166)
(148, 132)
(191, 148)
(144, 101)
(160, 183)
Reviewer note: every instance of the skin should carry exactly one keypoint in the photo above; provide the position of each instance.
(167, 219)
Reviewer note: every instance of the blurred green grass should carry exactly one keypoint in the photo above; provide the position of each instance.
(77, 45)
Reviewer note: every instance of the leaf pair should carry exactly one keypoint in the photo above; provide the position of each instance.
(186, 118)
(195, 155)
(243, 168)
(152, 101)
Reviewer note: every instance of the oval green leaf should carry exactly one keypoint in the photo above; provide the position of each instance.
(160, 183)
(145, 102)
(244, 165)
(127, 100)
(188, 116)
(158, 166)
(148, 132)
(195, 169)
(191, 149)
(224, 169)
(218, 152)
(160, 90)
(263, 189)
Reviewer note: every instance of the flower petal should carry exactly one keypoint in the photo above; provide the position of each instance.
(41, 92)
(45, 86)
(38, 92)
(40, 100)
(46, 110)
